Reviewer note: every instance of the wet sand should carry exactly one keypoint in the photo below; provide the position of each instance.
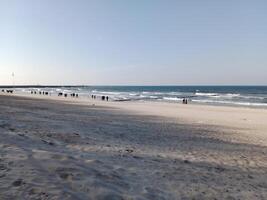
(94, 150)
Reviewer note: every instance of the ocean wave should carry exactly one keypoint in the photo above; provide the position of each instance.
(133, 94)
(232, 95)
(172, 98)
(206, 94)
(106, 92)
(153, 93)
(230, 102)
(153, 97)
(218, 95)
(174, 93)
(253, 97)
(227, 96)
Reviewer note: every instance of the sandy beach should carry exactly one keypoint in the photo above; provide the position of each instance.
(63, 148)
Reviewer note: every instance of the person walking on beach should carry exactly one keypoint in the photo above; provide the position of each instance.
(185, 101)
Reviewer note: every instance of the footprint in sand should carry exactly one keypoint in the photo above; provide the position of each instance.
(109, 196)
(18, 183)
(66, 176)
(3, 167)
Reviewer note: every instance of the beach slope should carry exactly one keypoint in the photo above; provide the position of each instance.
(63, 150)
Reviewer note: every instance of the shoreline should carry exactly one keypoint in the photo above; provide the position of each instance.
(235, 117)
(232, 96)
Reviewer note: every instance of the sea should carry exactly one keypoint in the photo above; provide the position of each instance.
(249, 96)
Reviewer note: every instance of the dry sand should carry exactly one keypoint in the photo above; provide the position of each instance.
(72, 149)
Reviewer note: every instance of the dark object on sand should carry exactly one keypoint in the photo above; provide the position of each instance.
(103, 98)
(74, 95)
(129, 150)
(17, 183)
(60, 94)
(187, 162)
(107, 98)
(46, 93)
(77, 95)
(9, 91)
(3, 90)
(185, 101)
(65, 95)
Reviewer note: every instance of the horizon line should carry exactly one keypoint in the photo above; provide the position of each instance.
(121, 85)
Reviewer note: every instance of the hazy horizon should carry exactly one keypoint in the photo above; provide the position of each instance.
(77, 85)
(129, 43)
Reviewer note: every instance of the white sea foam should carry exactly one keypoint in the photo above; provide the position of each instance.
(153, 97)
(206, 94)
(253, 97)
(133, 94)
(172, 98)
(217, 95)
(232, 95)
(227, 96)
(229, 102)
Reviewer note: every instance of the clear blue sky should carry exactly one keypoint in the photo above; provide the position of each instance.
(133, 42)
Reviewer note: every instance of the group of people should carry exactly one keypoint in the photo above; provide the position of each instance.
(185, 101)
(66, 95)
(59, 94)
(8, 91)
(103, 98)
(74, 95)
(40, 92)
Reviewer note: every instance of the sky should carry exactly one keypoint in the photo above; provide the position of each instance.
(133, 42)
